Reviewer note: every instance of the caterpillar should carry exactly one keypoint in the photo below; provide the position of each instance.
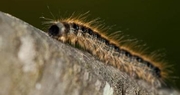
(90, 37)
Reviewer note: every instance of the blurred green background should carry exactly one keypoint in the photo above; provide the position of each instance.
(155, 22)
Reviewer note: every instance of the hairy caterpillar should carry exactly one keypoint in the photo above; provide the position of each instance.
(109, 50)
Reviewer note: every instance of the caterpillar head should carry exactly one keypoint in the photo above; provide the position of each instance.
(57, 31)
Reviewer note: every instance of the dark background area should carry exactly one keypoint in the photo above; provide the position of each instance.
(155, 22)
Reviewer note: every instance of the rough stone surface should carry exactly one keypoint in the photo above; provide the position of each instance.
(32, 63)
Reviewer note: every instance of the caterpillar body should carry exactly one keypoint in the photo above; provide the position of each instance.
(108, 50)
